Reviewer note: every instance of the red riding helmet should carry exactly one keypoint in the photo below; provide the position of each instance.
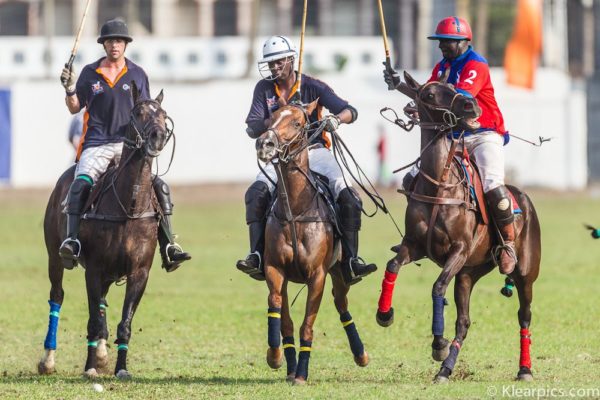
(452, 28)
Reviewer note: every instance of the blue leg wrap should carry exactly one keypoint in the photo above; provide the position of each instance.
(289, 350)
(452, 356)
(50, 342)
(303, 358)
(274, 314)
(437, 325)
(356, 344)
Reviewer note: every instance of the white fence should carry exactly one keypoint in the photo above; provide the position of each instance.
(213, 147)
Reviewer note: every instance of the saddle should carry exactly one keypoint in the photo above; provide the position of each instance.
(328, 212)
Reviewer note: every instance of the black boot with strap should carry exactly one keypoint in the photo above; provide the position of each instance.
(70, 249)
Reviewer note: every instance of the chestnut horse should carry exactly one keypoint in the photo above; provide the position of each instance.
(118, 237)
(300, 244)
(441, 224)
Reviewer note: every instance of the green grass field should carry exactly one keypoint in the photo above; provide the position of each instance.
(201, 332)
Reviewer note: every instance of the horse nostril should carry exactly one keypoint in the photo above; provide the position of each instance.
(468, 107)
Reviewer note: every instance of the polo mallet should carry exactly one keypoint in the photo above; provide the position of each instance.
(388, 63)
(69, 64)
(301, 49)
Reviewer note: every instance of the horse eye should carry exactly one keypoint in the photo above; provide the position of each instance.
(430, 96)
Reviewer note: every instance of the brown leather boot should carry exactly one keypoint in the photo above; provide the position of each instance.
(508, 254)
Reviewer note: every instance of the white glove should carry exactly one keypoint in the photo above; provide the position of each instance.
(332, 123)
(68, 78)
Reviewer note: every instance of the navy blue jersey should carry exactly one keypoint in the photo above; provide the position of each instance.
(266, 94)
(108, 104)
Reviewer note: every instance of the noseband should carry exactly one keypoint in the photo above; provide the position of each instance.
(449, 118)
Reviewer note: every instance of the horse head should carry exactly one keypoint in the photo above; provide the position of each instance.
(439, 102)
(286, 135)
(148, 124)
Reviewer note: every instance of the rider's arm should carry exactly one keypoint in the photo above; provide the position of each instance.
(258, 117)
(73, 103)
(335, 104)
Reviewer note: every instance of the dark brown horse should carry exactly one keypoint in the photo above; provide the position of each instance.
(301, 246)
(118, 237)
(442, 224)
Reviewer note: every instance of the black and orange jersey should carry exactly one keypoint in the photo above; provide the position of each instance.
(108, 104)
(265, 102)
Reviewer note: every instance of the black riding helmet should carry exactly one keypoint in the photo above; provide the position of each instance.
(114, 29)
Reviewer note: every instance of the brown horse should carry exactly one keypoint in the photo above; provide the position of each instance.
(442, 224)
(301, 246)
(118, 236)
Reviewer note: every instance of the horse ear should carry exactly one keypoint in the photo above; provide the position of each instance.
(410, 88)
(160, 97)
(444, 77)
(410, 81)
(310, 107)
(135, 92)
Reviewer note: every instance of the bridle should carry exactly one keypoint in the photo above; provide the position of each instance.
(141, 133)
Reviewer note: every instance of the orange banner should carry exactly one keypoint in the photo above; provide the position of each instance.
(523, 50)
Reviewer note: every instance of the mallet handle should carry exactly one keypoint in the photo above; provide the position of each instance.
(302, 46)
(76, 44)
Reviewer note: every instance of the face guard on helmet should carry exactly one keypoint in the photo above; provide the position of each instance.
(452, 28)
(276, 48)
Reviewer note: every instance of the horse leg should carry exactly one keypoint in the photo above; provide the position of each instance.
(93, 285)
(463, 286)
(287, 331)
(440, 345)
(101, 350)
(525, 290)
(55, 272)
(275, 282)
(340, 291)
(136, 284)
(316, 285)
(406, 252)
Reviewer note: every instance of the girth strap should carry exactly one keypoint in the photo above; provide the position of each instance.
(118, 218)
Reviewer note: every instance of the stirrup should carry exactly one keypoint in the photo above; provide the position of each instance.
(255, 273)
(497, 251)
(67, 240)
(173, 245)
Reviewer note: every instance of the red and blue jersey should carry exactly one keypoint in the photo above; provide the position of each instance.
(470, 75)
(108, 104)
(265, 103)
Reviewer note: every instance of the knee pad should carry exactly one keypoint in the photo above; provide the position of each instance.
(163, 195)
(257, 201)
(350, 206)
(500, 204)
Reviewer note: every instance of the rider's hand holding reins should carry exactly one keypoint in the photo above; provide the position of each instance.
(332, 122)
(68, 78)
(391, 77)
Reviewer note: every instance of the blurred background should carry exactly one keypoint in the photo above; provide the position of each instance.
(544, 56)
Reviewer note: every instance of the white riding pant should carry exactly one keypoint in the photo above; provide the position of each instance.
(320, 160)
(94, 161)
(487, 150)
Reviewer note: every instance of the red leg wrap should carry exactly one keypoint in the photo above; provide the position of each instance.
(525, 359)
(387, 291)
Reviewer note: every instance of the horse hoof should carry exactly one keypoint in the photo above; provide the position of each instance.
(385, 319)
(45, 368)
(525, 377)
(46, 364)
(362, 360)
(439, 379)
(274, 357)
(90, 373)
(299, 382)
(442, 353)
(290, 377)
(123, 375)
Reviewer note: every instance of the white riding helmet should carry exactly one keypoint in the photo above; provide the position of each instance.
(275, 48)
